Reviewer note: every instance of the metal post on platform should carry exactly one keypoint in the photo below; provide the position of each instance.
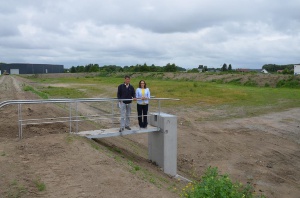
(112, 113)
(158, 125)
(76, 115)
(20, 120)
(70, 116)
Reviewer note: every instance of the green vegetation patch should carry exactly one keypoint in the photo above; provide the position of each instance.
(39, 93)
(41, 186)
(214, 185)
(191, 93)
(16, 189)
(63, 92)
(291, 82)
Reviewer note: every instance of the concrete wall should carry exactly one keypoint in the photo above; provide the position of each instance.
(162, 145)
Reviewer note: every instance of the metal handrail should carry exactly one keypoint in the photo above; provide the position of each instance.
(71, 117)
(8, 102)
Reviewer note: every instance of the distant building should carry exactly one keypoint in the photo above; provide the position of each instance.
(296, 69)
(264, 71)
(27, 68)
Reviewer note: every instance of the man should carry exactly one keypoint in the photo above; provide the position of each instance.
(126, 94)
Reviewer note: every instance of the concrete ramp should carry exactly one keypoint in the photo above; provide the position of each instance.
(113, 132)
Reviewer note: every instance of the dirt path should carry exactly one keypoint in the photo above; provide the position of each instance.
(263, 151)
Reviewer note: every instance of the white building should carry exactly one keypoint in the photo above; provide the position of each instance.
(296, 69)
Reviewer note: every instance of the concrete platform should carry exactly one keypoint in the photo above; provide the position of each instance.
(113, 132)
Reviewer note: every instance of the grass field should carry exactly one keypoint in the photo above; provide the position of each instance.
(192, 94)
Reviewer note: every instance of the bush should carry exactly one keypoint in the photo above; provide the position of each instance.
(289, 83)
(213, 185)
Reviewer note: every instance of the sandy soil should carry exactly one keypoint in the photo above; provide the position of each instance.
(263, 151)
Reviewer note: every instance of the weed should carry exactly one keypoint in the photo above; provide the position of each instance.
(16, 190)
(41, 186)
(70, 138)
(214, 185)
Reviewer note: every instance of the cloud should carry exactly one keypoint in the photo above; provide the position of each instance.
(242, 33)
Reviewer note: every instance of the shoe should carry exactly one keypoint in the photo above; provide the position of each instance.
(128, 128)
(121, 129)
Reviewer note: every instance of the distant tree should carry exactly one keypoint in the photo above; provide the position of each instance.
(229, 67)
(180, 68)
(274, 67)
(204, 69)
(144, 68)
(94, 68)
(170, 68)
(110, 68)
(73, 69)
(152, 68)
(79, 69)
(200, 67)
(224, 67)
(87, 67)
(287, 71)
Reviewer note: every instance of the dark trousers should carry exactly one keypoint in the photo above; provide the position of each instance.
(142, 115)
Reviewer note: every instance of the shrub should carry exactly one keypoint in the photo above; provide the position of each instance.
(213, 185)
(289, 83)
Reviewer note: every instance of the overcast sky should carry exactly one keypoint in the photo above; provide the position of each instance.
(243, 33)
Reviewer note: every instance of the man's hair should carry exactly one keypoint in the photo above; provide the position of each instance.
(127, 77)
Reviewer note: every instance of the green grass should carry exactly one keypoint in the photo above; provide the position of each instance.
(39, 93)
(62, 92)
(192, 94)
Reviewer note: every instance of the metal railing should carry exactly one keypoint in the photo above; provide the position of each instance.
(73, 113)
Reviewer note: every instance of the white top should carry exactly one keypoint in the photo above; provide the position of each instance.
(138, 95)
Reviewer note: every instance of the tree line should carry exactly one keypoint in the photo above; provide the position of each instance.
(137, 68)
(143, 68)
(286, 69)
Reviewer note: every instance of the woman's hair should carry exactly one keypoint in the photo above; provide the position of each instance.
(145, 86)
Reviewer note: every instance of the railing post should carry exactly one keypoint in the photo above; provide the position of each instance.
(70, 116)
(112, 114)
(76, 115)
(20, 121)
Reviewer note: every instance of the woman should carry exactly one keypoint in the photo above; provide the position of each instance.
(142, 95)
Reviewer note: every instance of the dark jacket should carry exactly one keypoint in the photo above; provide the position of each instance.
(126, 93)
